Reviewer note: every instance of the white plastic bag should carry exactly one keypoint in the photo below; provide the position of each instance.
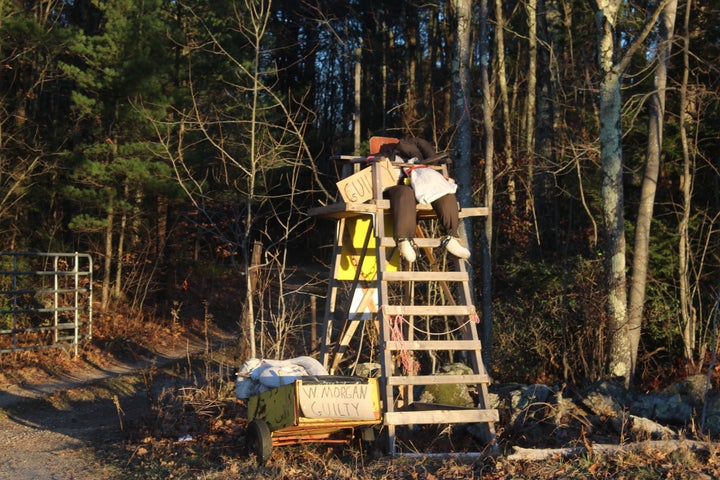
(429, 184)
(257, 376)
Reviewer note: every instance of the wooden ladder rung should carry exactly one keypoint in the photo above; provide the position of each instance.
(472, 379)
(401, 276)
(432, 310)
(474, 415)
(433, 345)
(389, 242)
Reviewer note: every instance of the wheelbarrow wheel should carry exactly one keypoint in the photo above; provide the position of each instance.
(259, 440)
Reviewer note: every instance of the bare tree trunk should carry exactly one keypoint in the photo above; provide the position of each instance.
(390, 42)
(504, 99)
(357, 131)
(412, 94)
(621, 355)
(687, 311)
(615, 248)
(461, 105)
(107, 265)
(117, 288)
(258, 23)
(649, 185)
(531, 9)
(162, 225)
(612, 192)
(547, 123)
(489, 154)
(461, 90)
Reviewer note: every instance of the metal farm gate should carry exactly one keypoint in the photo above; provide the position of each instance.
(45, 300)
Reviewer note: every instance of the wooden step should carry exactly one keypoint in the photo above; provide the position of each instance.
(444, 416)
(431, 310)
(389, 242)
(423, 345)
(473, 379)
(421, 276)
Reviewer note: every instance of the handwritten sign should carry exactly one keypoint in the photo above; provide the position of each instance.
(358, 188)
(338, 401)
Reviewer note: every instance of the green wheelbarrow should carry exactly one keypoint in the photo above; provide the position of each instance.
(312, 409)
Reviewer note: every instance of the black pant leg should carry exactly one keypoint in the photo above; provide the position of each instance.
(446, 209)
(402, 203)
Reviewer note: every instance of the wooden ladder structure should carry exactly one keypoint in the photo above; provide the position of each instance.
(419, 313)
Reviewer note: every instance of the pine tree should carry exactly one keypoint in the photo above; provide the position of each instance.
(119, 61)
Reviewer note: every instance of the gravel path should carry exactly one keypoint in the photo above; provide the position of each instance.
(44, 435)
(65, 428)
(40, 441)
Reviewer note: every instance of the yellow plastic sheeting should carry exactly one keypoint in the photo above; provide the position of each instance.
(356, 230)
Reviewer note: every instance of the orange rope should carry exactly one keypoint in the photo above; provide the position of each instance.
(411, 368)
(474, 318)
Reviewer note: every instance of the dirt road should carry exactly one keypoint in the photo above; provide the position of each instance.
(41, 441)
(69, 432)
(72, 426)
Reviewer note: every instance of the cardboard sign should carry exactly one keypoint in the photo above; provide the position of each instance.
(339, 401)
(358, 188)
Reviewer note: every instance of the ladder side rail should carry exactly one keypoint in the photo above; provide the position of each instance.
(355, 281)
(349, 325)
(408, 332)
(386, 367)
(331, 297)
(470, 330)
(487, 428)
(377, 198)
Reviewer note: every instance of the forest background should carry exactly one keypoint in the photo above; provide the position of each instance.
(169, 138)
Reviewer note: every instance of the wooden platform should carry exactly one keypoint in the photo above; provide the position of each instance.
(344, 210)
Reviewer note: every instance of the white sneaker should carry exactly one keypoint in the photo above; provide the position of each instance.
(406, 250)
(453, 246)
